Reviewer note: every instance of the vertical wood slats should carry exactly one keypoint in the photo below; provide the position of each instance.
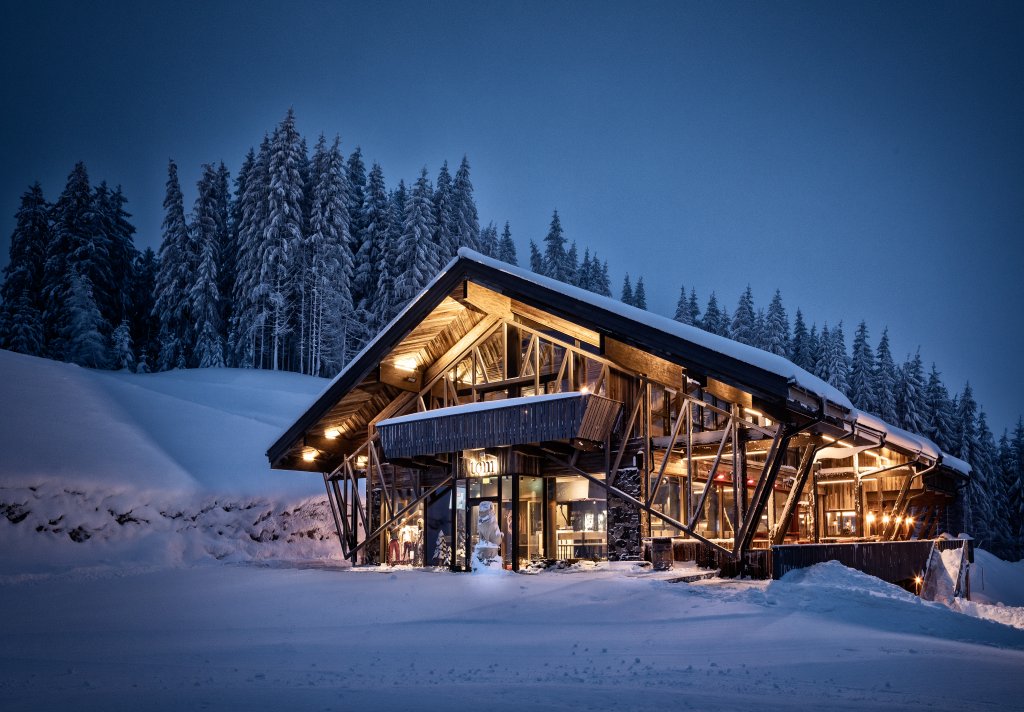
(587, 416)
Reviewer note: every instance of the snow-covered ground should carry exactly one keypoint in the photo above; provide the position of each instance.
(150, 560)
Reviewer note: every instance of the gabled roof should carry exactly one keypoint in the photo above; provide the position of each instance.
(766, 376)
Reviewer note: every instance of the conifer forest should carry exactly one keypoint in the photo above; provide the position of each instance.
(301, 256)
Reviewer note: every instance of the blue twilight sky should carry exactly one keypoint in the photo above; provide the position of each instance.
(868, 158)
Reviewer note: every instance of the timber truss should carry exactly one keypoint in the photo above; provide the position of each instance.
(502, 355)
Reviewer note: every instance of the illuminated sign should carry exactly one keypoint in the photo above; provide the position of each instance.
(482, 466)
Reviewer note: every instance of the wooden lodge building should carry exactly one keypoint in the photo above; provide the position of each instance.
(592, 427)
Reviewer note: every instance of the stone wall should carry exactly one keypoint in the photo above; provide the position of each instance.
(624, 534)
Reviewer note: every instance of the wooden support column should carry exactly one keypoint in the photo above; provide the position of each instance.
(778, 534)
(814, 524)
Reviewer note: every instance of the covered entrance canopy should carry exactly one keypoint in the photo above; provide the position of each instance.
(681, 432)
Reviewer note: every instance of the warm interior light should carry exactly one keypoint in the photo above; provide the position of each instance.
(361, 461)
(406, 364)
(871, 517)
(755, 413)
(332, 433)
(309, 455)
(917, 580)
(908, 521)
(584, 390)
(885, 519)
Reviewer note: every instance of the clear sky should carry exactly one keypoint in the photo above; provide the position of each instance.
(866, 158)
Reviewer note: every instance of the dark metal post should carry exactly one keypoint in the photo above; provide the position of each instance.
(514, 552)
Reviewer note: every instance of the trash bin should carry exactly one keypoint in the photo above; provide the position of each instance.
(661, 553)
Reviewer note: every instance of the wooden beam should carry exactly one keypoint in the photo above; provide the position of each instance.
(654, 368)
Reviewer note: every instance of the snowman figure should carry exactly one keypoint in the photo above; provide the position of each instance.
(487, 548)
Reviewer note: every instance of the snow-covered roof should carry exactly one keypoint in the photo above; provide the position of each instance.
(910, 442)
(478, 407)
(756, 357)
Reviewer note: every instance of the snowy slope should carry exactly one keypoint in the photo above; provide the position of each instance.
(117, 469)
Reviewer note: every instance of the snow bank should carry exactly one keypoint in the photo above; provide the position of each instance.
(101, 468)
(996, 581)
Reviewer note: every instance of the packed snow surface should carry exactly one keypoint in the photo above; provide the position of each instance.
(149, 559)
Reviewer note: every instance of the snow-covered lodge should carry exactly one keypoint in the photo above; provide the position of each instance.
(590, 429)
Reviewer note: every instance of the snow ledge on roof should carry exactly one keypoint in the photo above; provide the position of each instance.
(478, 407)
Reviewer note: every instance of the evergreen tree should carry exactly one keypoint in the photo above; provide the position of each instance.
(965, 432)
(328, 245)
(812, 347)
(122, 352)
(356, 174)
(602, 281)
(205, 303)
(83, 335)
(1013, 484)
(862, 371)
(799, 351)
(939, 412)
(536, 259)
(249, 315)
(838, 360)
(885, 381)
(507, 248)
(983, 485)
(775, 337)
(445, 219)
(71, 250)
(143, 324)
(714, 319)
(375, 263)
(21, 295)
(742, 327)
(174, 278)
(640, 294)
(556, 259)
(694, 308)
(585, 279)
(910, 404)
(442, 551)
(112, 231)
(283, 236)
(467, 224)
(761, 330)
(683, 314)
(419, 262)
(489, 240)
(627, 291)
(822, 345)
(232, 260)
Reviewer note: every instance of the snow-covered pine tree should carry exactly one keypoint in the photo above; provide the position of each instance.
(585, 279)
(640, 294)
(467, 223)
(112, 230)
(444, 216)
(939, 411)
(282, 238)
(983, 485)
(204, 297)
(507, 248)
(228, 292)
(442, 551)
(862, 371)
(627, 291)
(682, 314)
(143, 324)
(775, 336)
(21, 296)
(694, 308)
(416, 246)
(1013, 485)
(122, 351)
(572, 265)
(885, 381)
(839, 360)
(742, 327)
(536, 259)
(798, 345)
(822, 344)
(67, 253)
(812, 348)
(489, 240)
(174, 278)
(603, 282)
(83, 335)
(227, 267)
(356, 174)
(965, 425)
(249, 315)
(714, 319)
(760, 329)
(910, 403)
(555, 257)
(378, 259)
(328, 245)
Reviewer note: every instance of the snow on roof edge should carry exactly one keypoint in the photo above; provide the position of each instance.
(477, 407)
(906, 440)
